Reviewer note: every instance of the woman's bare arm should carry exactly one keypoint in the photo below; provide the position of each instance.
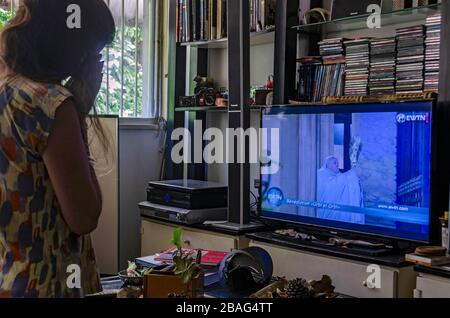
(71, 173)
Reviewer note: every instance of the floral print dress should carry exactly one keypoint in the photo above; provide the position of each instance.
(37, 248)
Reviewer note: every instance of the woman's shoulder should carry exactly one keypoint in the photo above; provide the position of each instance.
(37, 90)
(29, 93)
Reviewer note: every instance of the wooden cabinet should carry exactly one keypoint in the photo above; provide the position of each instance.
(431, 286)
(350, 278)
(156, 235)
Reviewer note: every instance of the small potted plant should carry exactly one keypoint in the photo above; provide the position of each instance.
(183, 278)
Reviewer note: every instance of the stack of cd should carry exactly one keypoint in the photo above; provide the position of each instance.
(432, 52)
(332, 51)
(357, 67)
(382, 66)
(410, 59)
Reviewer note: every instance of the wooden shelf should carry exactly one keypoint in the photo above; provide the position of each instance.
(326, 101)
(256, 38)
(213, 109)
(201, 109)
(359, 22)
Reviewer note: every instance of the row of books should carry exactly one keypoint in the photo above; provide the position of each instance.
(408, 63)
(332, 51)
(357, 55)
(201, 20)
(262, 15)
(206, 20)
(210, 262)
(382, 66)
(432, 52)
(317, 79)
(410, 59)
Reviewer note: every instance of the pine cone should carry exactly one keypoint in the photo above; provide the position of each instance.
(298, 288)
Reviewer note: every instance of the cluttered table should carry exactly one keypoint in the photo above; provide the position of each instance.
(127, 285)
(113, 287)
(152, 277)
(205, 226)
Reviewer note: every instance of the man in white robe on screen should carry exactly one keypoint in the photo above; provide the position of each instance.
(335, 187)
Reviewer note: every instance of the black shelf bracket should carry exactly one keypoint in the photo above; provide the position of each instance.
(239, 108)
(176, 88)
(285, 51)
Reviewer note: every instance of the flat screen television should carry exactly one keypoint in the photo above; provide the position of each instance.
(350, 169)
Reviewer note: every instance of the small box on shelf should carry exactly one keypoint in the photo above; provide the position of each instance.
(158, 284)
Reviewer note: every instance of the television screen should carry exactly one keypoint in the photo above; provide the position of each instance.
(359, 168)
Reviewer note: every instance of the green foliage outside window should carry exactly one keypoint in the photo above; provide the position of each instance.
(5, 15)
(115, 75)
(129, 77)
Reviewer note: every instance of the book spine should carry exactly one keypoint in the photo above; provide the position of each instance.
(214, 19)
(194, 19)
(177, 22)
(219, 19)
(189, 19)
(262, 9)
(181, 20)
(225, 19)
(211, 31)
(202, 34)
(185, 37)
(251, 15)
(198, 20)
(206, 15)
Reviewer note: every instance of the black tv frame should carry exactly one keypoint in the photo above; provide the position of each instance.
(437, 200)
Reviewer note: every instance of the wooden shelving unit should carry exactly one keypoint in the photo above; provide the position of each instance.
(256, 38)
(313, 33)
(238, 51)
(285, 39)
(359, 22)
(212, 109)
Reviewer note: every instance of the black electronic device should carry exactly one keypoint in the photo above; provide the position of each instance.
(249, 269)
(180, 215)
(187, 101)
(206, 96)
(188, 194)
(345, 8)
(405, 213)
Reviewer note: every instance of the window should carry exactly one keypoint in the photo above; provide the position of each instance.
(129, 85)
(7, 8)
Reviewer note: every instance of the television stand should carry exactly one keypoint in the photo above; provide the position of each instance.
(335, 244)
(239, 227)
(351, 271)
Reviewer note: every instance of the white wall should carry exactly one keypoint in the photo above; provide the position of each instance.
(140, 160)
(135, 159)
(261, 64)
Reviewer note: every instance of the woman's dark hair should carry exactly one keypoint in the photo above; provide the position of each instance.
(39, 44)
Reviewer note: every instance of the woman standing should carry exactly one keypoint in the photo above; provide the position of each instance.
(49, 195)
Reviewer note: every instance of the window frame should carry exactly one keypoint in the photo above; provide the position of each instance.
(152, 59)
(151, 68)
